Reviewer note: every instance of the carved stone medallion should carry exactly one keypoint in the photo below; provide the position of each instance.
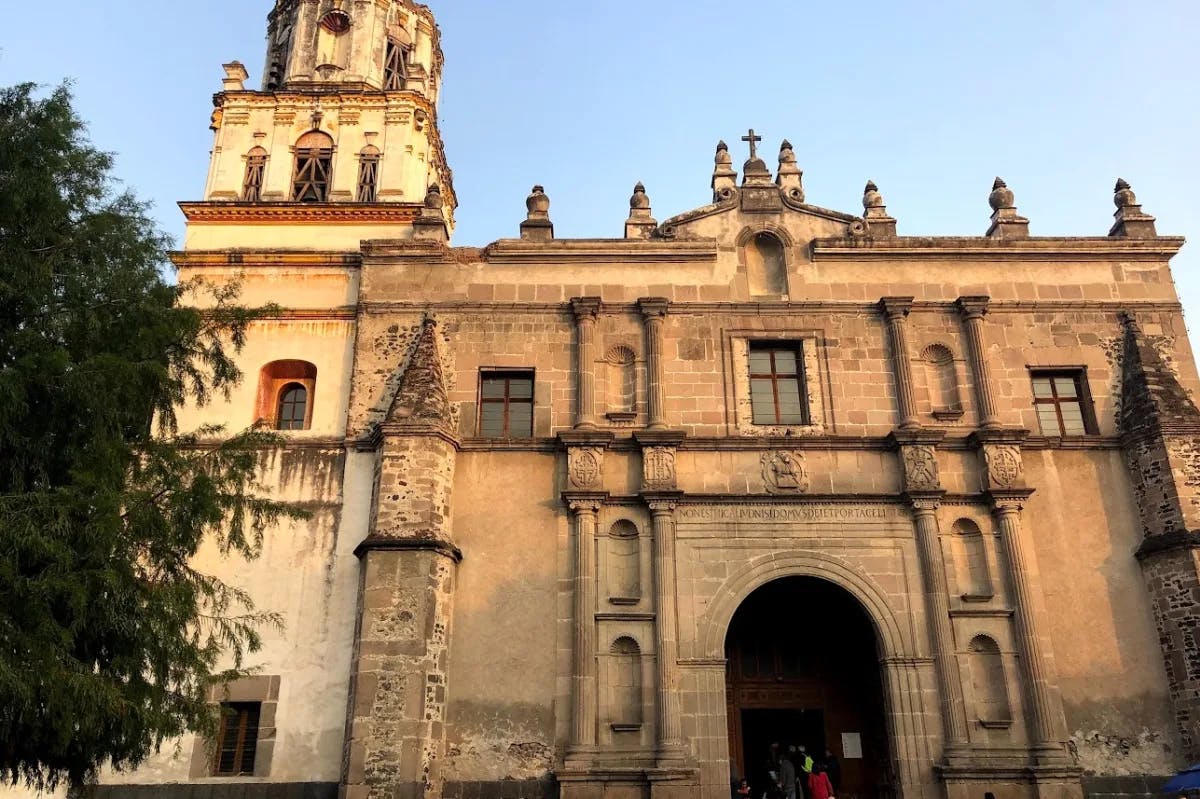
(920, 469)
(784, 472)
(1003, 465)
(658, 467)
(584, 465)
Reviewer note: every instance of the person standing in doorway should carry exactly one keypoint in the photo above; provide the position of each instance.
(818, 784)
(787, 777)
(804, 763)
(834, 769)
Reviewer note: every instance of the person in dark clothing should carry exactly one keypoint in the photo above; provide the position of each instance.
(834, 769)
(787, 777)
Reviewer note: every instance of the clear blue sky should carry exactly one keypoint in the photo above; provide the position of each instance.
(931, 99)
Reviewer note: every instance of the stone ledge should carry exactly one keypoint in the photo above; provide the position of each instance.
(213, 790)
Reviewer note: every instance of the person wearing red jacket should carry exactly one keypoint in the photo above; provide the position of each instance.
(818, 784)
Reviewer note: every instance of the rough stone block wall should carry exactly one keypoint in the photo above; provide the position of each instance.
(1173, 579)
(397, 723)
(416, 477)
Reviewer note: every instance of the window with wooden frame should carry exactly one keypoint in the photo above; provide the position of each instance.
(506, 404)
(256, 167)
(237, 739)
(368, 174)
(394, 67)
(314, 168)
(285, 395)
(1064, 407)
(293, 407)
(777, 393)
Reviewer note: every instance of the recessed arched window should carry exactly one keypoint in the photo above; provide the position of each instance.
(988, 681)
(368, 174)
(256, 167)
(974, 577)
(766, 265)
(314, 168)
(622, 380)
(394, 71)
(624, 564)
(285, 395)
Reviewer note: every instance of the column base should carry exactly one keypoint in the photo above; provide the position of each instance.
(674, 755)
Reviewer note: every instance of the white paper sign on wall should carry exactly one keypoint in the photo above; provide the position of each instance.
(852, 745)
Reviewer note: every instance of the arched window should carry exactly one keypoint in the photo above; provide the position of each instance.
(624, 564)
(766, 266)
(368, 174)
(974, 577)
(988, 681)
(626, 684)
(293, 407)
(285, 395)
(394, 71)
(941, 379)
(256, 166)
(314, 168)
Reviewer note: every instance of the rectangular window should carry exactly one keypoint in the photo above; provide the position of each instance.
(777, 383)
(1062, 403)
(506, 404)
(237, 739)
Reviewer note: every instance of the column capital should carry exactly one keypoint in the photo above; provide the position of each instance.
(662, 503)
(586, 308)
(896, 307)
(653, 307)
(1009, 502)
(584, 503)
(973, 307)
(923, 502)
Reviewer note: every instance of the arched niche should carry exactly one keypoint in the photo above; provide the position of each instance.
(624, 564)
(765, 257)
(988, 682)
(971, 562)
(620, 379)
(625, 687)
(941, 381)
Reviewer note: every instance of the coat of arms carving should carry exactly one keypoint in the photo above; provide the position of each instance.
(920, 469)
(583, 466)
(658, 467)
(1003, 465)
(784, 472)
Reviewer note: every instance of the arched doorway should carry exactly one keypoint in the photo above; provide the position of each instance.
(803, 669)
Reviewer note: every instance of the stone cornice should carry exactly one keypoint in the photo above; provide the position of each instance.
(928, 436)
(384, 544)
(915, 248)
(265, 259)
(507, 251)
(1168, 543)
(239, 213)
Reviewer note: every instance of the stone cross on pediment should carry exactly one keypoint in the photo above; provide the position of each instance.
(754, 140)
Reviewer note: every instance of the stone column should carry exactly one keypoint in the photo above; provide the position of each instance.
(896, 310)
(586, 310)
(937, 595)
(1006, 507)
(654, 310)
(670, 733)
(973, 310)
(583, 673)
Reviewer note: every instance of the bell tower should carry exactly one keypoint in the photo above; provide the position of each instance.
(340, 144)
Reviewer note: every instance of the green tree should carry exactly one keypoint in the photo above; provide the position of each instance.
(109, 639)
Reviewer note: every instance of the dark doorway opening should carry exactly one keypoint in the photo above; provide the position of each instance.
(803, 670)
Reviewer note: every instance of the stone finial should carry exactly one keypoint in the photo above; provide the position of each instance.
(875, 212)
(430, 224)
(235, 77)
(790, 178)
(640, 223)
(724, 180)
(537, 225)
(1130, 222)
(1006, 222)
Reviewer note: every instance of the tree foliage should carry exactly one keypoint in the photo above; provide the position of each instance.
(109, 638)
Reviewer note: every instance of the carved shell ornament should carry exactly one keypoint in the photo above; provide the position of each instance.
(336, 21)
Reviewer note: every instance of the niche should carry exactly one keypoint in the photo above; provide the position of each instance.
(624, 564)
(333, 43)
(766, 265)
(974, 575)
(285, 395)
(620, 378)
(626, 685)
(941, 380)
(988, 682)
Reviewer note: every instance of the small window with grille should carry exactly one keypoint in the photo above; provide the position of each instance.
(237, 739)
(1062, 402)
(777, 393)
(506, 404)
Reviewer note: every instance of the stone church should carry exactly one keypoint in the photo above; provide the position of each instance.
(606, 518)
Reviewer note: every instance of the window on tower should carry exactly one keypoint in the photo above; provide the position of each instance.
(393, 67)
(256, 165)
(314, 165)
(368, 174)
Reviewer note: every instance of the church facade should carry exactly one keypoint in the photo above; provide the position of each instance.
(604, 519)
